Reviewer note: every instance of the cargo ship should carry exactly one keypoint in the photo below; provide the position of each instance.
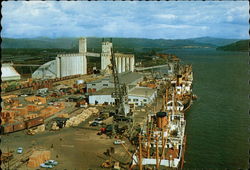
(162, 140)
(161, 143)
(183, 86)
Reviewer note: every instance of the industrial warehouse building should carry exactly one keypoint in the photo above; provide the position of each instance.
(9, 72)
(138, 96)
(128, 78)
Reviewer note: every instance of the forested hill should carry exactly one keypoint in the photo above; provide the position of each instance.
(242, 45)
(135, 43)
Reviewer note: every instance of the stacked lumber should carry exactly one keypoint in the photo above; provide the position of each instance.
(30, 116)
(94, 110)
(34, 108)
(7, 116)
(63, 115)
(60, 105)
(54, 126)
(36, 99)
(37, 158)
(39, 129)
(76, 120)
(20, 111)
(15, 103)
(49, 111)
(9, 97)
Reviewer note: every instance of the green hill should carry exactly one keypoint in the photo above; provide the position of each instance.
(242, 45)
(214, 41)
(69, 43)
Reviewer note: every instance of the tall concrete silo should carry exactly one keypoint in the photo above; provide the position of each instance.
(72, 64)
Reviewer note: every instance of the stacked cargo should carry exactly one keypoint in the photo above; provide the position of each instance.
(34, 108)
(37, 158)
(38, 129)
(15, 103)
(8, 97)
(30, 116)
(7, 116)
(6, 128)
(20, 111)
(60, 105)
(49, 111)
(36, 99)
(63, 115)
(76, 120)
(34, 122)
(19, 126)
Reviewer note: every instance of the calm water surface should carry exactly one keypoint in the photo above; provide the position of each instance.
(217, 123)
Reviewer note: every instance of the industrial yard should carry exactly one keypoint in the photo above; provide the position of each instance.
(124, 85)
(64, 118)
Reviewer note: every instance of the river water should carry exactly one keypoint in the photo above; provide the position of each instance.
(217, 123)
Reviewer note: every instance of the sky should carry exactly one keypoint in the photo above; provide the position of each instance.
(166, 20)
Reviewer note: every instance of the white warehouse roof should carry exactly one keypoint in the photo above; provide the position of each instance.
(47, 70)
(9, 73)
(137, 91)
(142, 91)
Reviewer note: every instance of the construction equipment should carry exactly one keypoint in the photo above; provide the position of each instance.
(120, 94)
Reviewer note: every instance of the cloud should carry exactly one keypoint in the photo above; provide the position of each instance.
(166, 16)
(125, 19)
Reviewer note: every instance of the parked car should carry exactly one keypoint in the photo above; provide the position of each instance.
(118, 142)
(98, 120)
(49, 164)
(52, 162)
(19, 150)
(126, 119)
(43, 165)
(94, 124)
(23, 95)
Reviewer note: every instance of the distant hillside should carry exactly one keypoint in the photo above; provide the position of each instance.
(242, 45)
(42, 43)
(134, 43)
(214, 41)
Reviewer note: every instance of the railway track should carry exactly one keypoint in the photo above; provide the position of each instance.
(17, 162)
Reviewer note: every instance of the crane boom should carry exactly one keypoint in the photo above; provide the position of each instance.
(120, 93)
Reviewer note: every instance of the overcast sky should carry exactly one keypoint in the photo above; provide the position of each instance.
(168, 20)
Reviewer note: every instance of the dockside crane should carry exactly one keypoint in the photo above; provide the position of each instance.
(120, 94)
